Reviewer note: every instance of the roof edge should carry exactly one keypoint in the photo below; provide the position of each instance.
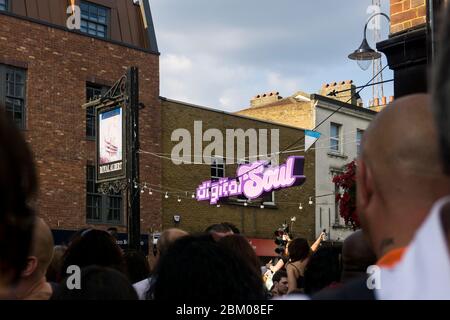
(230, 114)
(352, 107)
(151, 32)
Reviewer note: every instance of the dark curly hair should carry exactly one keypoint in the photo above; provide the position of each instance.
(240, 246)
(18, 191)
(196, 268)
(299, 249)
(137, 267)
(93, 247)
(322, 270)
(218, 227)
(98, 283)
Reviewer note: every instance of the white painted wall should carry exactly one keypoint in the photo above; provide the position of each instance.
(351, 121)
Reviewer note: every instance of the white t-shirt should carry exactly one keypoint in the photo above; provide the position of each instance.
(142, 287)
(424, 271)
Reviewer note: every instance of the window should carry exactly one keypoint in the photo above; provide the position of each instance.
(3, 5)
(101, 208)
(12, 93)
(94, 19)
(217, 169)
(268, 198)
(337, 190)
(336, 206)
(359, 135)
(92, 91)
(335, 137)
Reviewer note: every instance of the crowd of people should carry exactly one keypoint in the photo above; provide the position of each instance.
(403, 202)
(215, 265)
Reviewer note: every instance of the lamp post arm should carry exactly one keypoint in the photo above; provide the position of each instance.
(373, 16)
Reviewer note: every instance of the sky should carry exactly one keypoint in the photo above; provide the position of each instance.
(221, 53)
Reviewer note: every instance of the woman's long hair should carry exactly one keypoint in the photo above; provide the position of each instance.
(18, 190)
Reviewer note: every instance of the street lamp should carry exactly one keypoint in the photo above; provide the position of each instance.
(365, 54)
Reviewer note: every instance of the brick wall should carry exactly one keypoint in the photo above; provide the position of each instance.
(344, 91)
(253, 221)
(406, 14)
(288, 111)
(58, 64)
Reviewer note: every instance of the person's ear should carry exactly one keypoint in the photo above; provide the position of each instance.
(364, 185)
(32, 263)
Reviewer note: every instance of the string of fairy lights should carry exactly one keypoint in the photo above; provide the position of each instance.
(183, 195)
(180, 195)
(167, 156)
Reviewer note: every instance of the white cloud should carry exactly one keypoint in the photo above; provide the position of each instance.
(173, 63)
(206, 80)
(222, 53)
(283, 83)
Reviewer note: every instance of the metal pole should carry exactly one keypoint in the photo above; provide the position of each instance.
(134, 203)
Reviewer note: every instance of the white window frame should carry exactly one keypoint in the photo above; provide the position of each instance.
(216, 163)
(358, 140)
(338, 138)
(338, 220)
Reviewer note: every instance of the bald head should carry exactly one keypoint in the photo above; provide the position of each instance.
(400, 174)
(357, 255)
(42, 245)
(401, 148)
(168, 237)
(403, 139)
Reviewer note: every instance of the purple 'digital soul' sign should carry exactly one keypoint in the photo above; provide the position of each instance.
(254, 180)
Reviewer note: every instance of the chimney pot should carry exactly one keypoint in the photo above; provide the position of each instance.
(391, 99)
(376, 102)
(383, 101)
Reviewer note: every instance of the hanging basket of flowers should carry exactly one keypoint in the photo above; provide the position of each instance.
(346, 182)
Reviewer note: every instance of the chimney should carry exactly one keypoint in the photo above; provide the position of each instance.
(265, 98)
(343, 91)
(377, 106)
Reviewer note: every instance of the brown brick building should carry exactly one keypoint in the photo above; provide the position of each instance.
(251, 219)
(48, 71)
(411, 46)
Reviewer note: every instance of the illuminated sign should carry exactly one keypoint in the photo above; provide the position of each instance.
(254, 180)
(110, 143)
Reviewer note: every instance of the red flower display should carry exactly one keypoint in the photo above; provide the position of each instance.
(347, 200)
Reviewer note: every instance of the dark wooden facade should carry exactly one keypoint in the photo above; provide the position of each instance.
(128, 23)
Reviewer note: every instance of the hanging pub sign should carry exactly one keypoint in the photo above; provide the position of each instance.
(111, 142)
(253, 180)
